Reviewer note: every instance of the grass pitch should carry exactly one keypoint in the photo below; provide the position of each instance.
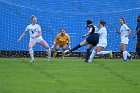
(71, 75)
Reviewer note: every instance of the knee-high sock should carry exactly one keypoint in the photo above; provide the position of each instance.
(75, 48)
(103, 52)
(55, 53)
(125, 55)
(138, 51)
(92, 55)
(128, 54)
(63, 54)
(31, 52)
(49, 52)
(88, 54)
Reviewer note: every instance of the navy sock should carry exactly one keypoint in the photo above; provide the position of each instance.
(76, 47)
(87, 54)
(138, 51)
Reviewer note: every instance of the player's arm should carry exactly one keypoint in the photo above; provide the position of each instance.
(68, 41)
(24, 33)
(117, 31)
(128, 33)
(138, 30)
(90, 30)
(55, 41)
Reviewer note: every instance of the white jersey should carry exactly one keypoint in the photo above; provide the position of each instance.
(102, 35)
(96, 29)
(33, 29)
(124, 31)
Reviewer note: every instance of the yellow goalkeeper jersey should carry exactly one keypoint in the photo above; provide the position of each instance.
(62, 40)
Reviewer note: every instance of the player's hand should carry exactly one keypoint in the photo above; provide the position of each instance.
(118, 32)
(83, 36)
(134, 36)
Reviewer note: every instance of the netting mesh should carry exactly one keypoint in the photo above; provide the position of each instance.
(55, 14)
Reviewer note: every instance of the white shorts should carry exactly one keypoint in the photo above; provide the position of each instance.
(102, 44)
(37, 40)
(124, 40)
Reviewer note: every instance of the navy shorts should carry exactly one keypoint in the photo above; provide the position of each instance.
(93, 39)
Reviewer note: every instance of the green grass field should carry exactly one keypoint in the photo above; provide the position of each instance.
(17, 75)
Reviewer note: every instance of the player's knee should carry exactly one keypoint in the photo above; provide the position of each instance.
(30, 47)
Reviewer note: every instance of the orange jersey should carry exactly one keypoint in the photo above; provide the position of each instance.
(62, 40)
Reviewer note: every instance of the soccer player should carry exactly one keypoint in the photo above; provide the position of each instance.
(124, 32)
(137, 33)
(92, 39)
(102, 42)
(61, 40)
(34, 30)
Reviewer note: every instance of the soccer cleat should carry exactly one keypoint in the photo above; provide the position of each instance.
(32, 60)
(67, 52)
(89, 61)
(86, 61)
(110, 53)
(125, 60)
(130, 58)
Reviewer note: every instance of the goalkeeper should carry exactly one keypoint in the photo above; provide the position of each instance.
(61, 40)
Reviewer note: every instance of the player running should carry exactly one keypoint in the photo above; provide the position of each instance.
(61, 40)
(124, 32)
(137, 33)
(34, 30)
(102, 42)
(92, 39)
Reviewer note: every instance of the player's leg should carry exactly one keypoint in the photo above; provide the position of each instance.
(88, 52)
(124, 43)
(64, 48)
(138, 48)
(79, 45)
(56, 50)
(76, 47)
(103, 45)
(45, 44)
(94, 52)
(123, 49)
(31, 52)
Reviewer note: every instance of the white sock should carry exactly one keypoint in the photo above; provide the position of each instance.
(92, 55)
(125, 55)
(128, 54)
(31, 52)
(103, 52)
(48, 52)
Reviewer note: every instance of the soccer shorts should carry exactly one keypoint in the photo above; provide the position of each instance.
(102, 44)
(37, 40)
(124, 40)
(93, 39)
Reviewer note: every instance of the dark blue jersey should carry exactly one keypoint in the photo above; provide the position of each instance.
(138, 34)
(93, 29)
(93, 38)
